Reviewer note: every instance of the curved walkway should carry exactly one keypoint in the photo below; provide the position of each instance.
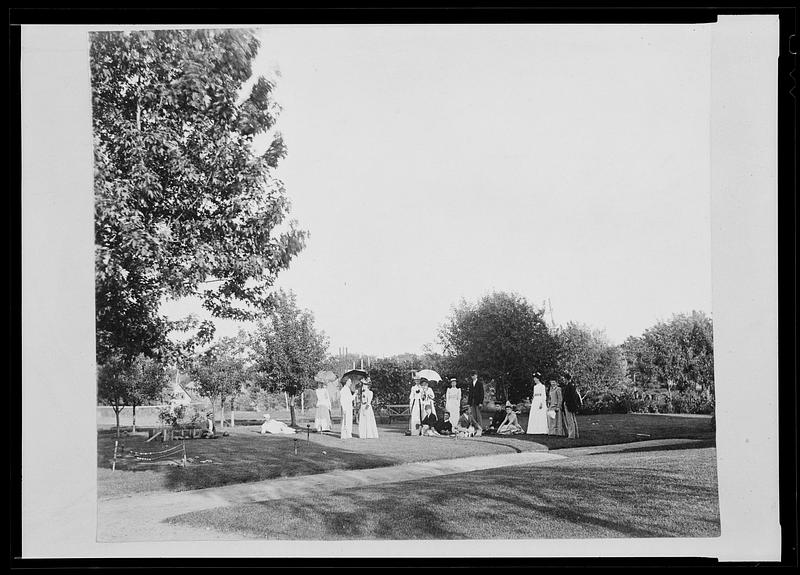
(140, 517)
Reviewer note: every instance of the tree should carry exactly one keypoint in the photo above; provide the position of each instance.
(504, 338)
(287, 350)
(184, 205)
(113, 387)
(596, 366)
(677, 353)
(146, 380)
(219, 373)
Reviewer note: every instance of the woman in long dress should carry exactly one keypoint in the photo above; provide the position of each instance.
(537, 419)
(367, 428)
(510, 425)
(453, 401)
(322, 419)
(427, 397)
(572, 403)
(415, 408)
(274, 426)
(346, 401)
(555, 423)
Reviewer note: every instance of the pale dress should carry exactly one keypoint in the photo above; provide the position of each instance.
(537, 419)
(415, 408)
(367, 428)
(322, 420)
(427, 400)
(346, 401)
(453, 404)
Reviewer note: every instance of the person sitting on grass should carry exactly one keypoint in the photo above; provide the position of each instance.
(443, 427)
(495, 420)
(467, 426)
(509, 425)
(274, 426)
(429, 422)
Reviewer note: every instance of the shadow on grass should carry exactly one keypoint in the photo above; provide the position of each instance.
(658, 498)
(238, 458)
(699, 444)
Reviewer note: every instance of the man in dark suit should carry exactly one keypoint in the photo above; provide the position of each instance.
(475, 401)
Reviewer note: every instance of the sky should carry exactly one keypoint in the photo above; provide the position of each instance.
(435, 163)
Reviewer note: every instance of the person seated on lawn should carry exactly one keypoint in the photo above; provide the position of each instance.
(443, 427)
(429, 422)
(274, 426)
(496, 419)
(467, 426)
(509, 425)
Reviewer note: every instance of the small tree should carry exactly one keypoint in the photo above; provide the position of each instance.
(287, 350)
(146, 381)
(218, 373)
(113, 385)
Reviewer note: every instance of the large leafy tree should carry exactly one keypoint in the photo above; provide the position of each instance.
(184, 204)
(596, 366)
(504, 338)
(679, 351)
(146, 382)
(287, 350)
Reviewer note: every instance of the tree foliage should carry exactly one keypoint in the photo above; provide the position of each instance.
(680, 351)
(184, 205)
(286, 349)
(220, 372)
(504, 338)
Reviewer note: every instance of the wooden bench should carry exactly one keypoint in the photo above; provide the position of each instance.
(398, 411)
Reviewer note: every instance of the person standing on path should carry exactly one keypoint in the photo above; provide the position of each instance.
(453, 401)
(572, 402)
(555, 422)
(475, 402)
(346, 401)
(367, 428)
(537, 418)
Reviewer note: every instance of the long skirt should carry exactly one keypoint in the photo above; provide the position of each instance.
(555, 425)
(510, 429)
(571, 423)
(454, 407)
(367, 428)
(416, 418)
(347, 423)
(322, 419)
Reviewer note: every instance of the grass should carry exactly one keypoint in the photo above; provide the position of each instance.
(246, 456)
(664, 493)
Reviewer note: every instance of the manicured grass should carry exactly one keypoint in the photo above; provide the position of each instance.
(664, 493)
(247, 456)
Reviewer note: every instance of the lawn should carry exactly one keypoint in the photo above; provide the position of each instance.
(647, 493)
(246, 456)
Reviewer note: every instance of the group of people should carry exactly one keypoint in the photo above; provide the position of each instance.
(553, 411)
(367, 426)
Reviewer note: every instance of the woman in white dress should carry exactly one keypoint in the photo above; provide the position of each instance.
(537, 418)
(415, 408)
(274, 426)
(367, 428)
(346, 401)
(427, 398)
(453, 401)
(322, 420)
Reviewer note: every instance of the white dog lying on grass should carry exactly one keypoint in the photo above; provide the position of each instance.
(273, 426)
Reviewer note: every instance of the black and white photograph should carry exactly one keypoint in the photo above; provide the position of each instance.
(406, 283)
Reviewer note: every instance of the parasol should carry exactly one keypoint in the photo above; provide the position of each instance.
(325, 377)
(428, 374)
(353, 374)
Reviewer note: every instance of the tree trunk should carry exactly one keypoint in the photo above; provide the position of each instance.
(221, 412)
(232, 416)
(291, 411)
(133, 428)
(116, 414)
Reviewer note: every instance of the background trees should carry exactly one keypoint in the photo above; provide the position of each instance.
(504, 338)
(219, 373)
(183, 204)
(286, 349)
